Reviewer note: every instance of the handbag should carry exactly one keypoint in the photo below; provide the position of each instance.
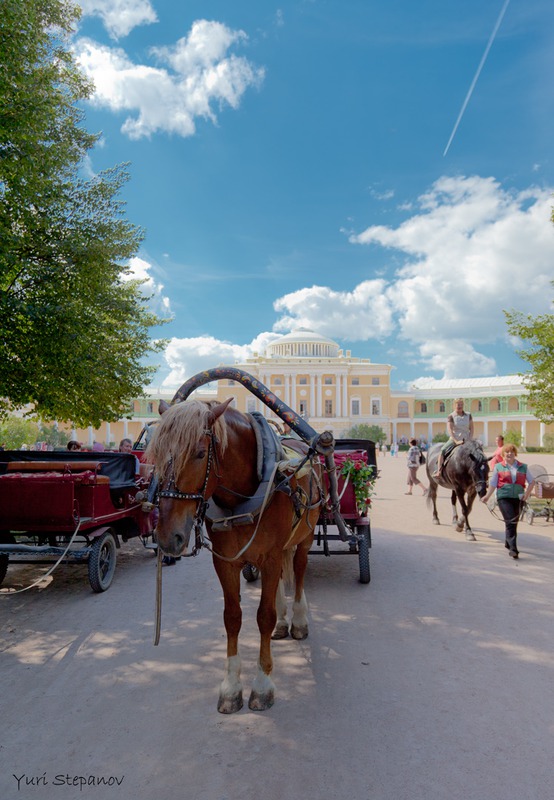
(421, 458)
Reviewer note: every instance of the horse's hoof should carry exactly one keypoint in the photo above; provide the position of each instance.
(261, 702)
(470, 537)
(280, 632)
(229, 705)
(300, 632)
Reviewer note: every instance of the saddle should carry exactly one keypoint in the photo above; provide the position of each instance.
(270, 459)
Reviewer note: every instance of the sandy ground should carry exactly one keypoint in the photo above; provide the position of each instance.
(433, 682)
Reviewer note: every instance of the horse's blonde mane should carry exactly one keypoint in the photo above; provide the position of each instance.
(177, 435)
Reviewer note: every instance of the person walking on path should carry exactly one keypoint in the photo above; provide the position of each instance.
(496, 457)
(513, 483)
(414, 461)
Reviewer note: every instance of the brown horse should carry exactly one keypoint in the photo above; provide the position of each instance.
(208, 452)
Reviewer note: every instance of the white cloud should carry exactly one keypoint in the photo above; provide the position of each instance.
(471, 250)
(364, 313)
(197, 73)
(139, 269)
(120, 16)
(456, 360)
(187, 357)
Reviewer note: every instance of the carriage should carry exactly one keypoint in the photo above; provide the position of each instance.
(351, 455)
(71, 508)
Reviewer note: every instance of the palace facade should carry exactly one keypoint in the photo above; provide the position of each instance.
(334, 390)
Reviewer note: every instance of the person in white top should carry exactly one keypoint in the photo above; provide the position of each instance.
(460, 429)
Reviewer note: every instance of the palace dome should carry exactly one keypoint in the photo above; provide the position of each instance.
(303, 343)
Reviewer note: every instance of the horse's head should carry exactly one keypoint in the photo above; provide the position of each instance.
(479, 467)
(183, 449)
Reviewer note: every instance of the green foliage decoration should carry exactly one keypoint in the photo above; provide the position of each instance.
(362, 477)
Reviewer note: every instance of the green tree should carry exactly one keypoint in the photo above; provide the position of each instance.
(74, 333)
(538, 333)
(512, 437)
(15, 431)
(364, 431)
(440, 437)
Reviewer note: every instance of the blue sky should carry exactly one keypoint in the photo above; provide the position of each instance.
(287, 165)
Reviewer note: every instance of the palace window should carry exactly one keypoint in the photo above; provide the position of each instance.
(375, 381)
(303, 380)
(355, 408)
(403, 410)
(328, 381)
(277, 381)
(328, 408)
(355, 381)
(442, 408)
(150, 408)
(423, 408)
(376, 408)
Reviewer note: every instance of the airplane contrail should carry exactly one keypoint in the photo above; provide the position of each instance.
(476, 77)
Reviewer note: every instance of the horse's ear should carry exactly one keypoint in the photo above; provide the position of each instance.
(218, 410)
(163, 406)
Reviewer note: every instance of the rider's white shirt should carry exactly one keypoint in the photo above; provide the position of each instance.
(461, 426)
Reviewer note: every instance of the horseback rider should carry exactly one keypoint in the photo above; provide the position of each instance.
(460, 429)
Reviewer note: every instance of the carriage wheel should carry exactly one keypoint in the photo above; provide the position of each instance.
(250, 572)
(366, 531)
(363, 553)
(101, 562)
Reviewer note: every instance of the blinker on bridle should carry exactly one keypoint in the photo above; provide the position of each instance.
(174, 493)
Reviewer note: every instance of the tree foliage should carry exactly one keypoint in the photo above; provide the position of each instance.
(74, 332)
(538, 333)
(364, 431)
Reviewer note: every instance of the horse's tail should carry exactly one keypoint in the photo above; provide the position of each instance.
(288, 569)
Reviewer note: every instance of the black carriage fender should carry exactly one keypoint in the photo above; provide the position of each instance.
(97, 532)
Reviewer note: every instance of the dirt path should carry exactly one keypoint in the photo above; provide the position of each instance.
(434, 682)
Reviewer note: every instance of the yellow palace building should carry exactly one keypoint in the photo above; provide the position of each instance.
(334, 390)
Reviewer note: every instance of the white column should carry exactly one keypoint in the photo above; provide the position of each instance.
(429, 432)
(90, 435)
(125, 428)
(523, 432)
(337, 397)
(345, 405)
(293, 392)
(486, 432)
(108, 433)
(542, 431)
(287, 389)
(312, 395)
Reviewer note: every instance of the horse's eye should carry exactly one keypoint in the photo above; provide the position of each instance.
(201, 454)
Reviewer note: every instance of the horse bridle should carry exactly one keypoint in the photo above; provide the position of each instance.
(172, 492)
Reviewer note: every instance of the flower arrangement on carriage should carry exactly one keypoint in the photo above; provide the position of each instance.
(361, 476)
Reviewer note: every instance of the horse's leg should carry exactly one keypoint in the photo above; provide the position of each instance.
(432, 499)
(263, 689)
(455, 521)
(230, 691)
(282, 626)
(299, 624)
(466, 507)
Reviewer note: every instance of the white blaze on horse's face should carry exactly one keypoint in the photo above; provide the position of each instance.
(178, 515)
